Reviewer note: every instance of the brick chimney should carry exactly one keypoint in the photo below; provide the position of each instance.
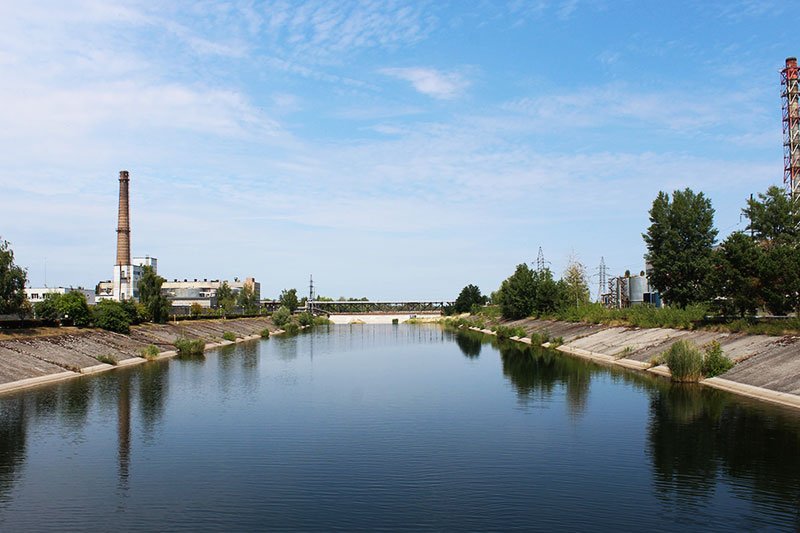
(123, 222)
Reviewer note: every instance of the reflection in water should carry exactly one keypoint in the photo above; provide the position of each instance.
(696, 434)
(469, 342)
(536, 372)
(124, 431)
(152, 380)
(707, 449)
(13, 426)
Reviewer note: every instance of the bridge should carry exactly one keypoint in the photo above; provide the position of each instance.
(353, 307)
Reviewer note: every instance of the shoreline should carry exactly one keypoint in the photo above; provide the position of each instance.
(778, 397)
(125, 349)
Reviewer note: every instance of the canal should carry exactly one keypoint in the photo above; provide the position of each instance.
(392, 427)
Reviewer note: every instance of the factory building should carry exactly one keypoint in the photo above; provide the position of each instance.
(203, 292)
(38, 294)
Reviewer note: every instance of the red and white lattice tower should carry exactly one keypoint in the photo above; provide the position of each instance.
(791, 127)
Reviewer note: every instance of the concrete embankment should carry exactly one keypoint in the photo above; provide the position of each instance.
(54, 354)
(766, 367)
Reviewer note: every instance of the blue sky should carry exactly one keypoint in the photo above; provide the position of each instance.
(392, 149)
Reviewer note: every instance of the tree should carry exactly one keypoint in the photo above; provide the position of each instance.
(73, 306)
(468, 297)
(47, 309)
(111, 315)
(288, 299)
(247, 299)
(281, 316)
(157, 306)
(516, 293)
(548, 295)
(576, 285)
(679, 246)
(738, 265)
(780, 279)
(775, 226)
(225, 298)
(774, 218)
(12, 282)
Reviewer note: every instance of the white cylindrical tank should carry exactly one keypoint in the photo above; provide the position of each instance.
(637, 286)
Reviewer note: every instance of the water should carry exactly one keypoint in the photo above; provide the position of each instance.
(392, 427)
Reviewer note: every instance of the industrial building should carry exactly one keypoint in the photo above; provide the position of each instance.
(38, 294)
(128, 272)
(203, 292)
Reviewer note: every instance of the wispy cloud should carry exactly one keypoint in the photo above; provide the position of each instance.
(431, 82)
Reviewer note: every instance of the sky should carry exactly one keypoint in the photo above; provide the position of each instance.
(394, 150)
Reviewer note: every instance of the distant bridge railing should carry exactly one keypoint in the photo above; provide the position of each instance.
(362, 307)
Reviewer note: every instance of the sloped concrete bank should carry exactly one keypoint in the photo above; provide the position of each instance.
(27, 361)
(766, 367)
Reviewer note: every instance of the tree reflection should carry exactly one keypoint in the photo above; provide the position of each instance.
(536, 372)
(153, 383)
(13, 422)
(696, 433)
(469, 342)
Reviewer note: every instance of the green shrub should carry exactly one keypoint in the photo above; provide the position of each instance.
(107, 359)
(281, 316)
(714, 362)
(150, 352)
(111, 316)
(556, 342)
(684, 361)
(291, 328)
(321, 321)
(305, 319)
(395, 321)
(265, 333)
(190, 347)
(537, 339)
(229, 336)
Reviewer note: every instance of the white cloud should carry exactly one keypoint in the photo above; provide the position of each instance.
(431, 82)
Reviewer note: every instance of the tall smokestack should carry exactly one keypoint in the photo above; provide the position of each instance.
(123, 222)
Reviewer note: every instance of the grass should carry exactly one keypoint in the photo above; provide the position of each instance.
(107, 359)
(321, 321)
(684, 361)
(229, 336)
(506, 332)
(688, 363)
(150, 352)
(190, 347)
(291, 328)
(265, 333)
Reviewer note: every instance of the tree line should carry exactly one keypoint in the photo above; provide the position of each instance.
(754, 269)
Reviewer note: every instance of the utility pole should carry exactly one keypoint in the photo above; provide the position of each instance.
(541, 263)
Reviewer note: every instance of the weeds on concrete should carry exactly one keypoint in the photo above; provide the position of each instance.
(684, 361)
(556, 342)
(506, 332)
(190, 347)
(626, 351)
(150, 352)
(321, 321)
(265, 333)
(229, 336)
(291, 328)
(107, 359)
(714, 362)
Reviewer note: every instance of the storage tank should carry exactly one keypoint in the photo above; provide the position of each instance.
(637, 286)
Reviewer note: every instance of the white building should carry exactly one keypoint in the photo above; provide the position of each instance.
(203, 292)
(37, 294)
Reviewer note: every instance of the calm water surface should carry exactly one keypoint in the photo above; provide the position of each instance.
(395, 427)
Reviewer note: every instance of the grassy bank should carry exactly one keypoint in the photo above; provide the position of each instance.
(691, 318)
